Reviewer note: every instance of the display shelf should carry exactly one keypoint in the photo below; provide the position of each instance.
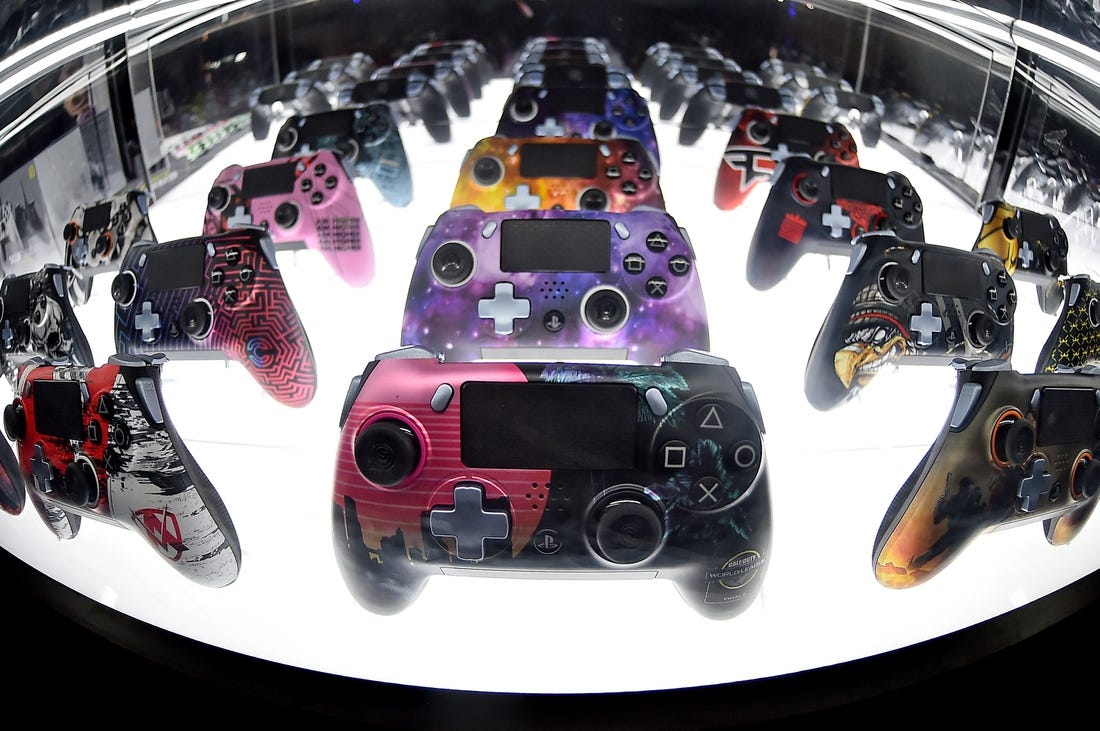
(832, 476)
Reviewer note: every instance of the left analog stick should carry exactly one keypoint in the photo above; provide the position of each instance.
(218, 198)
(387, 452)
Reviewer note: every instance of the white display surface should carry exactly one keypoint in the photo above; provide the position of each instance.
(832, 476)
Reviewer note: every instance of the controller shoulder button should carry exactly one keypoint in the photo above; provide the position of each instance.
(441, 399)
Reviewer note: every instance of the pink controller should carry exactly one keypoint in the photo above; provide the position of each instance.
(517, 173)
(306, 199)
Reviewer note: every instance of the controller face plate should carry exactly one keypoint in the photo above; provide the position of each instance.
(306, 199)
(761, 138)
(1033, 246)
(820, 207)
(98, 235)
(588, 113)
(909, 302)
(37, 320)
(1017, 447)
(366, 140)
(551, 469)
(217, 296)
(97, 443)
(616, 286)
(504, 173)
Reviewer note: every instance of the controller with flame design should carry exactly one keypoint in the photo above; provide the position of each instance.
(552, 470)
(507, 173)
(97, 443)
(1016, 448)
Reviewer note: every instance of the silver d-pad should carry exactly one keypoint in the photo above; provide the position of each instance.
(926, 324)
(468, 522)
(503, 308)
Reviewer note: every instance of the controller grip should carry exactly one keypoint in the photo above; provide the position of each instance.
(673, 99)
(431, 107)
(261, 123)
(353, 261)
(13, 491)
(65, 525)
(770, 258)
(391, 172)
(696, 117)
(279, 357)
(384, 582)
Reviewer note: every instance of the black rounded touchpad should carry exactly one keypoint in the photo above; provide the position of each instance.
(387, 452)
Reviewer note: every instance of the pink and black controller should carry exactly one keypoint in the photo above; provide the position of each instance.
(219, 296)
(586, 112)
(819, 207)
(97, 443)
(505, 173)
(1016, 448)
(304, 200)
(548, 283)
(554, 470)
(909, 302)
(761, 138)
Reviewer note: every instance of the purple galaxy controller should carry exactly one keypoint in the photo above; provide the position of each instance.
(301, 200)
(587, 112)
(548, 283)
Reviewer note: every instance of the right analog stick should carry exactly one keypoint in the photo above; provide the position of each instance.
(981, 329)
(286, 215)
(1013, 439)
(196, 319)
(593, 199)
(387, 452)
(1086, 477)
(628, 528)
(81, 485)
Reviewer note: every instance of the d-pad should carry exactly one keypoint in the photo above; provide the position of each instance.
(45, 477)
(468, 523)
(522, 199)
(503, 308)
(1035, 485)
(147, 321)
(550, 128)
(926, 324)
(836, 221)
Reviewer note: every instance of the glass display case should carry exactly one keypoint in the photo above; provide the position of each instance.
(675, 473)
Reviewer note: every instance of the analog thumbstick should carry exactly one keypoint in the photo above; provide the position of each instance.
(102, 245)
(288, 137)
(488, 171)
(15, 422)
(218, 198)
(1013, 439)
(124, 288)
(81, 485)
(981, 329)
(807, 188)
(286, 215)
(70, 231)
(605, 310)
(593, 199)
(603, 130)
(1086, 478)
(628, 527)
(196, 319)
(1011, 227)
(895, 282)
(524, 110)
(386, 452)
(453, 263)
(759, 132)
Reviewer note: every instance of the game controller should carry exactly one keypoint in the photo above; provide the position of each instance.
(684, 81)
(761, 138)
(661, 77)
(272, 104)
(528, 284)
(715, 105)
(1074, 341)
(585, 112)
(592, 76)
(1016, 448)
(97, 236)
(658, 54)
(413, 96)
(37, 319)
(820, 207)
(305, 200)
(1033, 246)
(552, 470)
(908, 302)
(216, 296)
(505, 173)
(834, 104)
(449, 75)
(97, 443)
(470, 59)
(366, 140)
